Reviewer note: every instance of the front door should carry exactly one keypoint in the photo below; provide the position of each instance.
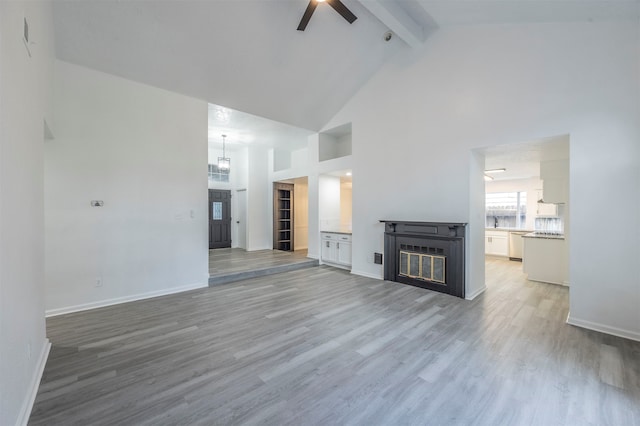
(219, 218)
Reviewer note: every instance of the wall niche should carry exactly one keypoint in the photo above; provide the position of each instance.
(335, 143)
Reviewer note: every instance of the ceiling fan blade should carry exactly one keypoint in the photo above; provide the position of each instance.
(342, 10)
(307, 15)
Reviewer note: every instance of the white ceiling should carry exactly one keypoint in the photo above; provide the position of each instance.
(247, 55)
(465, 12)
(242, 54)
(522, 160)
(244, 129)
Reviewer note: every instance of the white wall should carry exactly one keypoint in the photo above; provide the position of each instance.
(346, 203)
(259, 201)
(343, 145)
(281, 160)
(24, 104)
(489, 85)
(300, 159)
(329, 204)
(143, 151)
(301, 213)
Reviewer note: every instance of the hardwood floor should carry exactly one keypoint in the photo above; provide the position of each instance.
(234, 264)
(322, 346)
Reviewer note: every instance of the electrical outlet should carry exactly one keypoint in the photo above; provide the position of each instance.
(99, 282)
(377, 258)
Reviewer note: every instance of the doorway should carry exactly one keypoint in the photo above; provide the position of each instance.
(526, 192)
(219, 218)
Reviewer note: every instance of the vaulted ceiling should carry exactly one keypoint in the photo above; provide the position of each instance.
(247, 54)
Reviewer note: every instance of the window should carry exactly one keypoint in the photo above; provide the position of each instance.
(218, 175)
(216, 210)
(506, 209)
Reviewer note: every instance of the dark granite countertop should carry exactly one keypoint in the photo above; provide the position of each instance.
(544, 236)
(508, 229)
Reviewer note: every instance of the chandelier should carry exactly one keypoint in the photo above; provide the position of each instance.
(224, 162)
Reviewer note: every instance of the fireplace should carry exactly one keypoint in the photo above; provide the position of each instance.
(425, 254)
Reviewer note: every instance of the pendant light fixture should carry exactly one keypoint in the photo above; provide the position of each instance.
(224, 163)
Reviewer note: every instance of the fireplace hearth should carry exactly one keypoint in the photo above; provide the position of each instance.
(425, 254)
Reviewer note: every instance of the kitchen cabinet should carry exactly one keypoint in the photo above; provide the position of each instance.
(344, 253)
(555, 190)
(496, 243)
(544, 259)
(329, 249)
(336, 249)
(555, 181)
(546, 209)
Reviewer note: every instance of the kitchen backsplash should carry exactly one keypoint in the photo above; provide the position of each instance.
(551, 224)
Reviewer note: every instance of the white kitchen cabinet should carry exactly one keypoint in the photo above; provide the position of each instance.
(544, 259)
(546, 209)
(554, 190)
(344, 253)
(496, 243)
(329, 251)
(555, 181)
(336, 249)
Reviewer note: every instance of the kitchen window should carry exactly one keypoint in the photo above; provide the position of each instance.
(506, 209)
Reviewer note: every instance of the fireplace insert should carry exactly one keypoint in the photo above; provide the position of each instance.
(425, 254)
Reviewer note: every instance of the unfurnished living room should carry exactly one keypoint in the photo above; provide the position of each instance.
(298, 212)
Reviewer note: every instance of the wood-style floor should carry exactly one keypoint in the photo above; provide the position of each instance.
(321, 347)
(233, 264)
(230, 260)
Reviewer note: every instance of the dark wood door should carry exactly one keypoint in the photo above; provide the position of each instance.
(219, 218)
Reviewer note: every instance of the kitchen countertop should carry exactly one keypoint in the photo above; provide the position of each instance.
(337, 231)
(508, 229)
(544, 236)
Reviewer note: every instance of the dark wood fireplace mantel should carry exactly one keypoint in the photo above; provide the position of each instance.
(425, 254)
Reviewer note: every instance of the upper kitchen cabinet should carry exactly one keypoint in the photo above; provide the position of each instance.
(335, 143)
(546, 209)
(555, 181)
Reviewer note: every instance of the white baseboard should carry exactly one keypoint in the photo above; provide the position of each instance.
(476, 293)
(368, 275)
(615, 331)
(124, 299)
(27, 405)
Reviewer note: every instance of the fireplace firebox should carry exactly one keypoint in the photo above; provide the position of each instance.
(425, 254)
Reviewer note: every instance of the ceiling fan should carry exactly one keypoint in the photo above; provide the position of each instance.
(337, 5)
